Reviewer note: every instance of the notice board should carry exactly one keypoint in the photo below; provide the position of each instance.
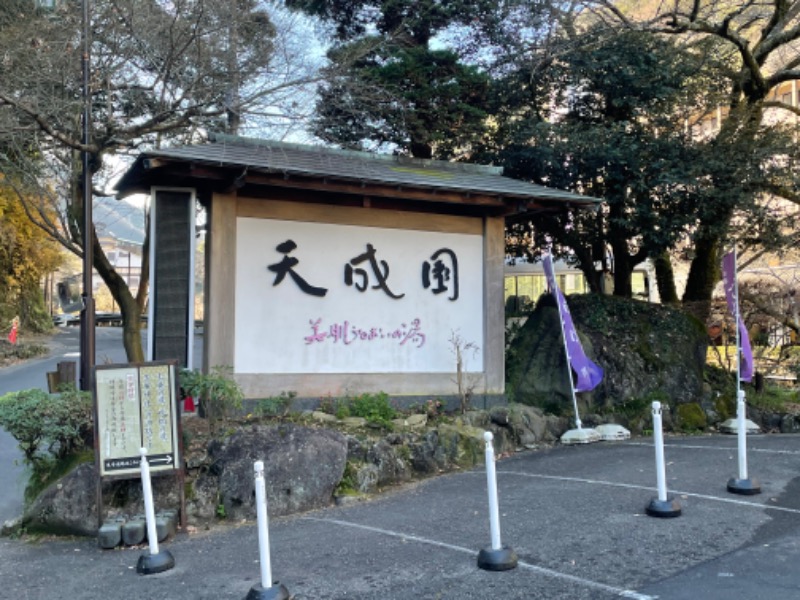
(137, 407)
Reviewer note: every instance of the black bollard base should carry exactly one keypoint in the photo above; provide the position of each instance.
(503, 559)
(276, 592)
(155, 563)
(664, 509)
(745, 487)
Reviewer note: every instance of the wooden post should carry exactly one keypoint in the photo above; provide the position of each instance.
(52, 382)
(66, 372)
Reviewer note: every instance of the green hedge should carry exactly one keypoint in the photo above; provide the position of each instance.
(48, 424)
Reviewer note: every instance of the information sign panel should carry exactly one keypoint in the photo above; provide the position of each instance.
(136, 408)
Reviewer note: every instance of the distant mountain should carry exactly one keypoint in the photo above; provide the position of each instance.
(118, 219)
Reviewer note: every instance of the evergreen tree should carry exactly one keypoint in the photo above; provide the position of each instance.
(409, 90)
(600, 120)
(753, 47)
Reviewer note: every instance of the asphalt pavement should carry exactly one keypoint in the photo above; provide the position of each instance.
(574, 515)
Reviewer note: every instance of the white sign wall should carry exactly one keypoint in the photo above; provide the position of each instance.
(324, 298)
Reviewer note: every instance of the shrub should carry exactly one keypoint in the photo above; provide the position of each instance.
(12, 352)
(58, 424)
(217, 392)
(279, 406)
(375, 408)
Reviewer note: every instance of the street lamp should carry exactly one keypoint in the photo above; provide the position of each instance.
(87, 314)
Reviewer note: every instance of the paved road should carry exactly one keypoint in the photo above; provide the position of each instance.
(64, 345)
(574, 515)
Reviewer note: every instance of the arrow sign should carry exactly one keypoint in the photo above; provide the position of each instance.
(164, 459)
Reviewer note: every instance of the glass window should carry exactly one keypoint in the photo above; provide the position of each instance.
(639, 285)
(574, 283)
(526, 291)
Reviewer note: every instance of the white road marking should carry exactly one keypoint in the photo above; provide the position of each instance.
(732, 449)
(541, 570)
(650, 489)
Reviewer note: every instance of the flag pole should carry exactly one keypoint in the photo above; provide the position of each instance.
(742, 484)
(569, 364)
(737, 316)
(577, 435)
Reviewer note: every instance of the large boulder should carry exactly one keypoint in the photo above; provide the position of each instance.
(302, 467)
(69, 506)
(647, 351)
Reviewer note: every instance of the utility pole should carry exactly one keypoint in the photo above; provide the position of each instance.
(87, 314)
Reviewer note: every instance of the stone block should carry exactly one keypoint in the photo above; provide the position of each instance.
(110, 534)
(134, 531)
(165, 525)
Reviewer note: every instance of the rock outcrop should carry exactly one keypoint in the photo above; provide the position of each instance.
(303, 466)
(647, 351)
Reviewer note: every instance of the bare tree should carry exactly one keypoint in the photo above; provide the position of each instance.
(465, 381)
(161, 72)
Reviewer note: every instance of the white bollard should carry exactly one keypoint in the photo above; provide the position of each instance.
(497, 557)
(742, 434)
(149, 510)
(662, 505)
(265, 591)
(658, 439)
(491, 481)
(263, 526)
(155, 561)
(743, 484)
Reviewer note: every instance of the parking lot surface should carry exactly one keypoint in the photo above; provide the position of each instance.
(574, 515)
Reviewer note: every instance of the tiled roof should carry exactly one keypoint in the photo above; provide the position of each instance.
(268, 156)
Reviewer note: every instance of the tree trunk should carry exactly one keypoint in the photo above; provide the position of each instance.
(586, 265)
(132, 330)
(704, 274)
(665, 279)
(623, 267)
(130, 309)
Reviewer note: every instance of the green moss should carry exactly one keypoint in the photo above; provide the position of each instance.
(188, 490)
(46, 472)
(725, 406)
(348, 485)
(691, 417)
(720, 381)
(635, 408)
(404, 452)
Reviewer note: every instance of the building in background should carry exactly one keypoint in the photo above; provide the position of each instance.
(525, 282)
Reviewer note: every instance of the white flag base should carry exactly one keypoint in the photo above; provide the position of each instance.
(732, 426)
(580, 436)
(611, 432)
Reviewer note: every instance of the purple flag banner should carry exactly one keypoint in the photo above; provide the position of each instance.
(729, 278)
(589, 374)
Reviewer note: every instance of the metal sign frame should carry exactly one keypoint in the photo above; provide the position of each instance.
(151, 308)
(137, 406)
